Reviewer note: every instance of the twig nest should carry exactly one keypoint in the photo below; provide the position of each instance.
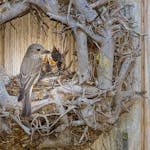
(71, 115)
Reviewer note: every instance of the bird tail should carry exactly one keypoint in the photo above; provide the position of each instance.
(21, 94)
(26, 111)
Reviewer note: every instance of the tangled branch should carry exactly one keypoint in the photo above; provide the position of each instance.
(78, 107)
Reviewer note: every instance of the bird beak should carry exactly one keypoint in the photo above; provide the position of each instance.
(45, 51)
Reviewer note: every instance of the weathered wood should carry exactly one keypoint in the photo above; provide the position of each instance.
(105, 71)
(2, 44)
(13, 10)
(99, 3)
(147, 104)
(85, 9)
(129, 125)
(82, 53)
(7, 102)
(145, 78)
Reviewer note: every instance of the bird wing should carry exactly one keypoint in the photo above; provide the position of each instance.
(29, 71)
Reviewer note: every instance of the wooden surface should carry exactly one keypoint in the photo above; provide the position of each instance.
(146, 61)
(2, 45)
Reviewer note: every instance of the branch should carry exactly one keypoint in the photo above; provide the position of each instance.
(105, 70)
(61, 116)
(85, 9)
(12, 11)
(26, 129)
(99, 3)
(126, 66)
(82, 52)
(36, 105)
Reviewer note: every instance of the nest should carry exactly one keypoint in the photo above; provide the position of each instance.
(70, 115)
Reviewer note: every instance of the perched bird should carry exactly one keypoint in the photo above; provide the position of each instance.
(29, 73)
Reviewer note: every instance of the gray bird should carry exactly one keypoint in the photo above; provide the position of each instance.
(29, 73)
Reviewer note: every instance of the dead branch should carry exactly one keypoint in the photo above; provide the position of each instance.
(82, 52)
(99, 3)
(105, 71)
(26, 129)
(11, 11)
(85, 9)
(126, 66)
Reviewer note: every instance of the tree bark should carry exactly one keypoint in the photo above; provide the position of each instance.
(82, 53)
(10, 11)
(7, 102)
(85, 9)
(105, 68)
(99, 3)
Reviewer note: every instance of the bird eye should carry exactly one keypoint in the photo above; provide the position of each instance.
(38, 49)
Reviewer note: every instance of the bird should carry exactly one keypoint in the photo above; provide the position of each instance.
(57, 57)
(50, 61)
(29, 73)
